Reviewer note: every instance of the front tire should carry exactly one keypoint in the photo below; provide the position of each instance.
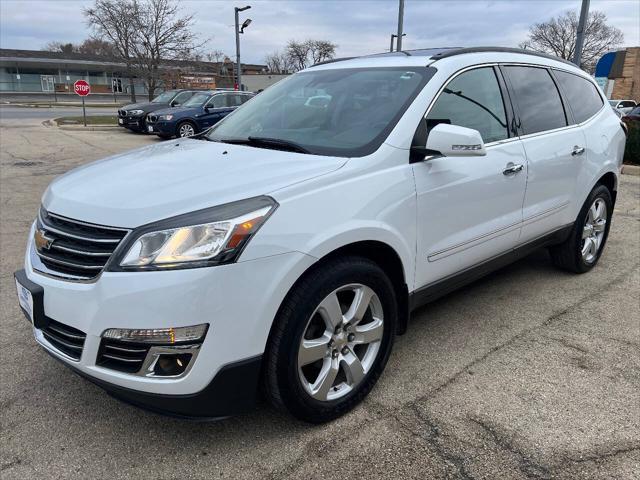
(331, 339)
(186, 129)
(582, 250)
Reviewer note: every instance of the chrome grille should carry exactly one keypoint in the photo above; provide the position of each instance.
(122, 356)
(74, 249)
(152, 118)
(122, 113)
(64, 338)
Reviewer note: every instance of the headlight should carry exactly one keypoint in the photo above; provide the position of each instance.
(169, 335)
(135, 112)
(207, 237)
(165, 117)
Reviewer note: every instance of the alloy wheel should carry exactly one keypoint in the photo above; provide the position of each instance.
(593, 230)
(340, 342)
(186, 130)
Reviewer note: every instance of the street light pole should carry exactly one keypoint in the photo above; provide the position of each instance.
(584, 13)
(238, 68)
(400, 19)
(393, 35)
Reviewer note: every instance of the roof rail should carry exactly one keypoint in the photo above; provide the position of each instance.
(333, 60)
(461, 51)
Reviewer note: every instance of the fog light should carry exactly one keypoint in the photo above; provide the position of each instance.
(171, 365)
(168, 336)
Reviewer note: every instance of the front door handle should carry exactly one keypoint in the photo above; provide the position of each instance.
(577, 150)
(512, 168)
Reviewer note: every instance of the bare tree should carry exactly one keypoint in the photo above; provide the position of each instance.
(161, 35)
(100, 48)
(298, 53)
(60, 47)
(321, 50)
(558, 37)
(278, 62)
(114, 21)
(303, 54)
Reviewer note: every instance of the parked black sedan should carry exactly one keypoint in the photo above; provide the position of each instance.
(132, 116)
(198, 113)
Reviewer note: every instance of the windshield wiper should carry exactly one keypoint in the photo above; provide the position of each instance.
(267, 142)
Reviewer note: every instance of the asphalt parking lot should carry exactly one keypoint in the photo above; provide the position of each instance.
(528, 373)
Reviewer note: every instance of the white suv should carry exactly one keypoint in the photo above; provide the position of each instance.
(288, 245)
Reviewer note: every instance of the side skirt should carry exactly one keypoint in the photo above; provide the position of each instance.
(435, 290)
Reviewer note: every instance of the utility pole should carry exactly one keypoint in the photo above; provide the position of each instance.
(238, 69)
(584, 13)
(400, 18)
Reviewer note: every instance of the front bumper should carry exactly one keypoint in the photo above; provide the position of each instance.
(238, 301)
(133, 123)
(161, 128)
(232, 391)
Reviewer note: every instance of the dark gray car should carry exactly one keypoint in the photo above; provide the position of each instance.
(132, 116)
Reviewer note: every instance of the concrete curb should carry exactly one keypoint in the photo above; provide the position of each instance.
(80, 128)
(63, 105)
(88, 128)
(631, 170)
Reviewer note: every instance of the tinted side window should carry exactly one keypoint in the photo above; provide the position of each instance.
(627, 104)
(216, 102)
(473, 100)
(582, 95)
(538, 99)
(234, 100)
(181, 98)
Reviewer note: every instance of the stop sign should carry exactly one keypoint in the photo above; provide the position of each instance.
(82, 88)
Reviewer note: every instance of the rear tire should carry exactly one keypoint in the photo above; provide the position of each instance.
(582, 250)
(318, 369)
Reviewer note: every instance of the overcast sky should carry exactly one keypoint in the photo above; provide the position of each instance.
(358, 27)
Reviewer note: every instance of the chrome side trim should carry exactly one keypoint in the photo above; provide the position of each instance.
(432, 257)
(539, 216)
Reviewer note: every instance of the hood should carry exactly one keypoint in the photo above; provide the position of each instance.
(175, 177)
(146, 106)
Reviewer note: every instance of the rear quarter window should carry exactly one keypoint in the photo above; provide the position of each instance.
(583, 98)
(539, 103)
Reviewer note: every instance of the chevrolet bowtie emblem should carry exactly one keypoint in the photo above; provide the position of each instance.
(42, 241)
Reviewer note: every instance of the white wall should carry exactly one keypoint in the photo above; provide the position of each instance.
(253, 83)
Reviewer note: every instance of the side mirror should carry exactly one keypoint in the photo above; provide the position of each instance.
(175, 104)
(453, 141)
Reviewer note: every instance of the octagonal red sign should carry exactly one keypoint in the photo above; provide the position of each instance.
(82, 88)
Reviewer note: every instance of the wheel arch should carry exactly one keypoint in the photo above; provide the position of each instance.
(610, 180)
(386, 257)
(186, 120)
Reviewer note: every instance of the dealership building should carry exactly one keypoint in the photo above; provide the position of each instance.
(52, 74)
(618, 73)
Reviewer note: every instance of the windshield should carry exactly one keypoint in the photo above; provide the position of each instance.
(197, 100)
(342, 112)
(164, 97)
(635, 111)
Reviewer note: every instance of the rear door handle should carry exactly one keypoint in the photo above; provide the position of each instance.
(577, 150)
(512, 168)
